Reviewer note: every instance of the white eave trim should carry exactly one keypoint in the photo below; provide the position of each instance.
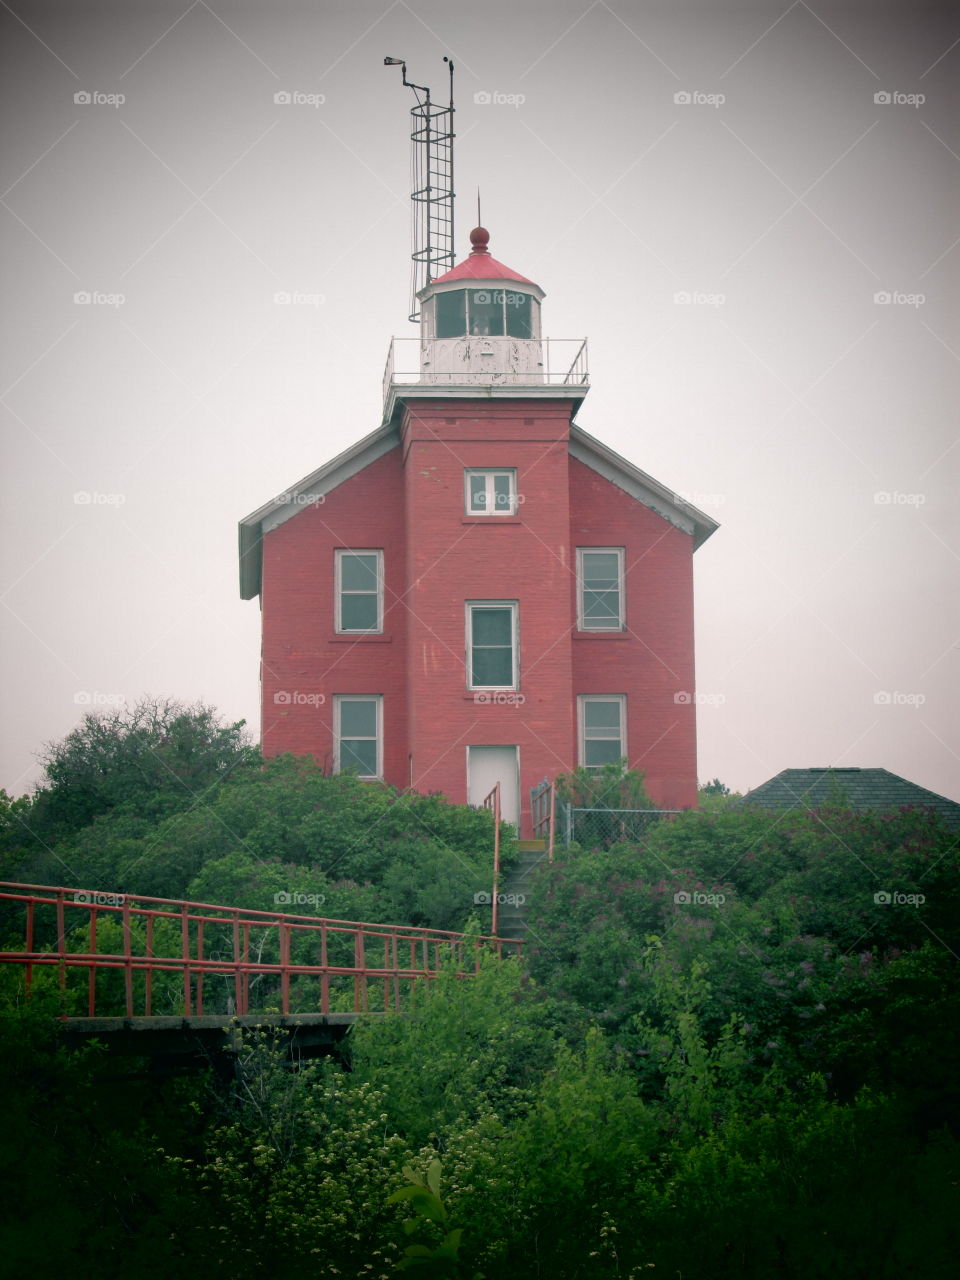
(480, 282)
(682, 515)
(400, 392)
(584, 447)
(304, 493)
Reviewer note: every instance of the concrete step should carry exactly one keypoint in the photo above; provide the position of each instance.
(524, 870)
(529, 856)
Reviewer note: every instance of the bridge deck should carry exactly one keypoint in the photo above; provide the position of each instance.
(185, 1042)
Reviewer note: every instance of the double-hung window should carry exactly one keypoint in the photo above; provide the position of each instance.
(602, 729)
(490, 493)
(600, 589)
(492, 644)
(358, 734)
(359, 589)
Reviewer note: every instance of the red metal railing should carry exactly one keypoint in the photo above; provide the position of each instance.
(543, 813)
(492, 802)
(198, 941)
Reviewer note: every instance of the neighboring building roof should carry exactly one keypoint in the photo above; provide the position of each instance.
(479, 265)
(860, 788)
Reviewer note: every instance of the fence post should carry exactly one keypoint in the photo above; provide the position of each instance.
(492, 802)
(62, 941)
(284, 966)
(199, 1000)
(148, 975)
(360, 973)
(92, 973)
(395, 957)
(29, 944)
(245, 1006)
(496, 859)
(553, 821)
(324, 976)
(185, 957)
(127, 957)
(237, 976)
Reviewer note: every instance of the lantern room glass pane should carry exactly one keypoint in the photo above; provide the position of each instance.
(519, 308)
(451, 314)
(486, 313)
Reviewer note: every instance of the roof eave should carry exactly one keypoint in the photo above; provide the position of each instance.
(493, 282)
(311, 490)
(665, 502)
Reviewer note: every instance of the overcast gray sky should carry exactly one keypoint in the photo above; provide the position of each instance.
(790, 168)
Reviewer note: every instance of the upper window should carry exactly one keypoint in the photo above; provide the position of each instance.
(485, 313)
(600, 589)
(603, 738)
(358, 734)
(451, 314)
(490, 493)
(359, 590)
(492, 645)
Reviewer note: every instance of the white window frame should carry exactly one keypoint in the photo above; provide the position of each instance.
(582, 700)
(514, 608)
(338, 700)
(491, 508)
(582, 623)
(338, 591)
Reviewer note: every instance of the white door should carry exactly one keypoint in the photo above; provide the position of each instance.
(486, 766)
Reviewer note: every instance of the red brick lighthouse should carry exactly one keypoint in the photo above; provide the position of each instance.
(479, 591)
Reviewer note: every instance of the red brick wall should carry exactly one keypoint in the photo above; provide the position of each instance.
(410, 504)
(652, 661)
(301, 653)
(453, 558)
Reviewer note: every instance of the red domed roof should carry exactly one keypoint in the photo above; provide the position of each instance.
(480, 265)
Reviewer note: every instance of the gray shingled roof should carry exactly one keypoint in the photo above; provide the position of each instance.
(861, 789)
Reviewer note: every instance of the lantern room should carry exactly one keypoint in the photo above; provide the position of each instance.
(480, 322)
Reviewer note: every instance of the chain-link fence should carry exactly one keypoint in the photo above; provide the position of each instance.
(601, 828)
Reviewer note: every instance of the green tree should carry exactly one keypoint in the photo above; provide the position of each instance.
(598, 807)
(715, 795)
(611, 786)
(465, 1045)
(283, 825)
(153, 758)
(16, 837)
(805, 923)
